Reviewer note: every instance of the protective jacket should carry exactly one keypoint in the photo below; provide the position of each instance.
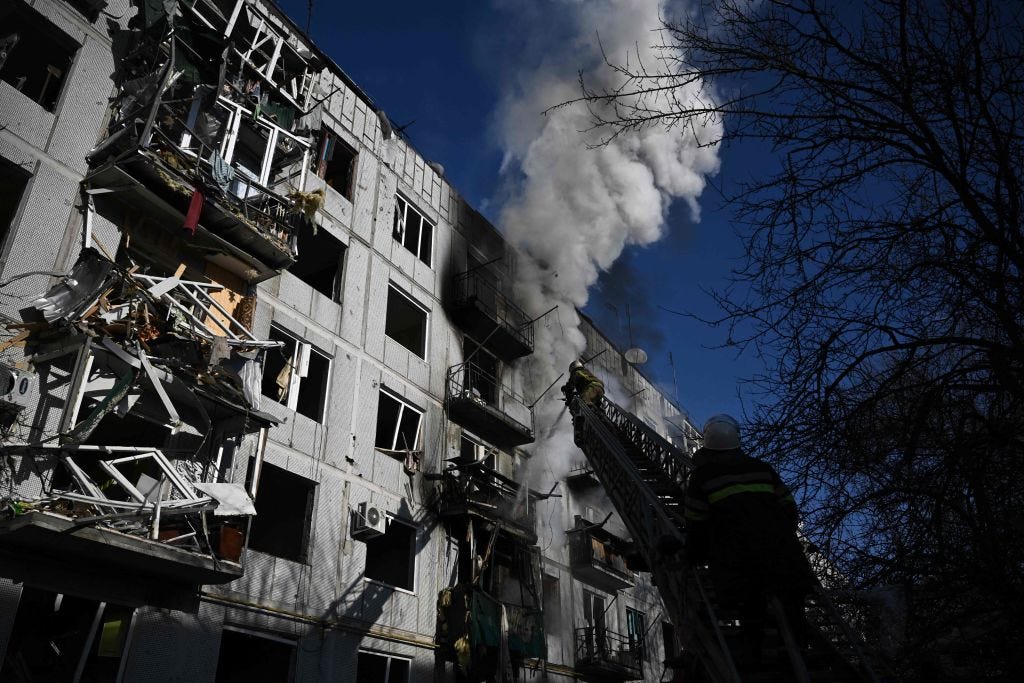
(741, 520)
(584, 384)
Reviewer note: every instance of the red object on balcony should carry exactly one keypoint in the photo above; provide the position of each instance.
(195, 207)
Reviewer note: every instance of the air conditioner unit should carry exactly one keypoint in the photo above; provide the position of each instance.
(367, 522)
(18, 388)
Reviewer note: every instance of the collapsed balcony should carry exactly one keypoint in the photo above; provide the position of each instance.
(470, 631)
(494, 606)
(478, 491)
(603, 655)
(485, 313)
(597, 557)
(475, 399)
(155, 388)
(204, 134)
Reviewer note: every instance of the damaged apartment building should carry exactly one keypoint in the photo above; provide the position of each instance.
(261, 391)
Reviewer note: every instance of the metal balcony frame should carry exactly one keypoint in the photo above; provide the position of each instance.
(606, 655)
(459, 395)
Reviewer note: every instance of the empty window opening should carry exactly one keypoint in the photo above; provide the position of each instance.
(284, 511)
(668, 637)
(471, 450)
(320, 260)
(636, 630)
(13, 180)
(336, 163)
(391, 558)
(35, 55)
(413, 230)
(296, 375)
(481, 371)
(406, 322)
(552, 616)
(376, 668)
(55, 635)
(246, 657)
(398, 424)
(593, 610)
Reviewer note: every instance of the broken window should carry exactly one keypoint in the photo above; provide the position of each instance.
(398, 424)
(336, 163)
(481, 371)
(413, 230)
(320, 259)
(296, 375)
(593, 611)
(246, 656)
(284, 511)
(34, 54)
(636, 630)
(13, 180)
(391, 558)
(55, 635)
(377, 668)
(406, 322)
(471, 450)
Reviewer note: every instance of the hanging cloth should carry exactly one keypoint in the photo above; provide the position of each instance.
(195, 207)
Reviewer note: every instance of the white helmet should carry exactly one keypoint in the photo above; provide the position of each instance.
(575, 365)
(721, 433)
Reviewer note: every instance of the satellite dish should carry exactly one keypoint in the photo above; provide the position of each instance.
(636, 356)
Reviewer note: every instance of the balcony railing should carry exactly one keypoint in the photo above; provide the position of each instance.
(477, 400)
(596, 559)
(607, 656)
(473, 488)
(487, 314)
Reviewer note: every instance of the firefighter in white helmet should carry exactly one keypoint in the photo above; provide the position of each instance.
(741, 520)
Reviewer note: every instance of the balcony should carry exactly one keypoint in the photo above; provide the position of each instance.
(476, 490)
(471, 615)
(597, 558)
(475, 399)
(581, 476)
(485, 313)
(228, 161)
(603, 655)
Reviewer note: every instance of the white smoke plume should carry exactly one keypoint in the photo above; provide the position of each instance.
(573, 208)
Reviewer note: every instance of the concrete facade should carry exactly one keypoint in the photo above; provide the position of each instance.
(320, 610)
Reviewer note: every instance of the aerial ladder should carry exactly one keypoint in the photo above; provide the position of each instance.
(645, 478)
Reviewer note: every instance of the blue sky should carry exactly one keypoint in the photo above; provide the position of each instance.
(445, 71)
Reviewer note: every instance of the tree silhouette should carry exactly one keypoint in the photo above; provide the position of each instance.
(882, 282)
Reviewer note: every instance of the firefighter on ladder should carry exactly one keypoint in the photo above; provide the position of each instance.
(587, 386)
(741, 521)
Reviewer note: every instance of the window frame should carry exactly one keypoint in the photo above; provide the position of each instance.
(403, 404)
(399, 228)
(426, 321)
(388, 656)
(295, 380)
(327, 134)
(635, 619)
(392, 518)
